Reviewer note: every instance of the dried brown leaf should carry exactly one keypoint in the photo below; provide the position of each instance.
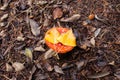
(58, 69)
(92, 41)
(18, 66)
(80, 64)
(57, 13)
(98, 75)
(34, 26)
(71, 19)
(8, 67)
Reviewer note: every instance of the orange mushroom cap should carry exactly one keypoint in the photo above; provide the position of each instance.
(61, 40)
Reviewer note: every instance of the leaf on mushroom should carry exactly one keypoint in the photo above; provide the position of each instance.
(67, 38)
(28, 53)
(72, 18)
(58, 69)
(52, 35)
(57, 13)
(18, 66)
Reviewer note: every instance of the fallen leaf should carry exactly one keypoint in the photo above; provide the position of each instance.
(34, 26)
(57, 13)
(80, 64)
(18, 66)
(28, 53)
(71, 19)
(58, 69)
(99, 75)
(52, 35)
(92, 41)
(49, 54)
(67, 38)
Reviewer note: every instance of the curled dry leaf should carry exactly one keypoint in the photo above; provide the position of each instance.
(18, 66)
(57, 13)
(58, 69)
(98, 75)
(28, 53)
(8, 67)
(49, 54)
(5, 16)
(39, 48)
(72, 18)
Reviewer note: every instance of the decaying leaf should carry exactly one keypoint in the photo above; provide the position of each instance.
(9, 67)
(49, 54)
(58, 69)
(57, 13)
(39, 48)
(92, 41)
(28, 53)
(98, 75)
(96, 33)
(71, 19)
(18, 66)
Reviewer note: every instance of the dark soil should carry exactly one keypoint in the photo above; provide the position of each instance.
(85, 62)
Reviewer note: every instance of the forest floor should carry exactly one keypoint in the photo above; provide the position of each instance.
(23, 24)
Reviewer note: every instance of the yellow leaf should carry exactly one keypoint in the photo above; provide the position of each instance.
(28, 53)
(52, 35)
(67, 38)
